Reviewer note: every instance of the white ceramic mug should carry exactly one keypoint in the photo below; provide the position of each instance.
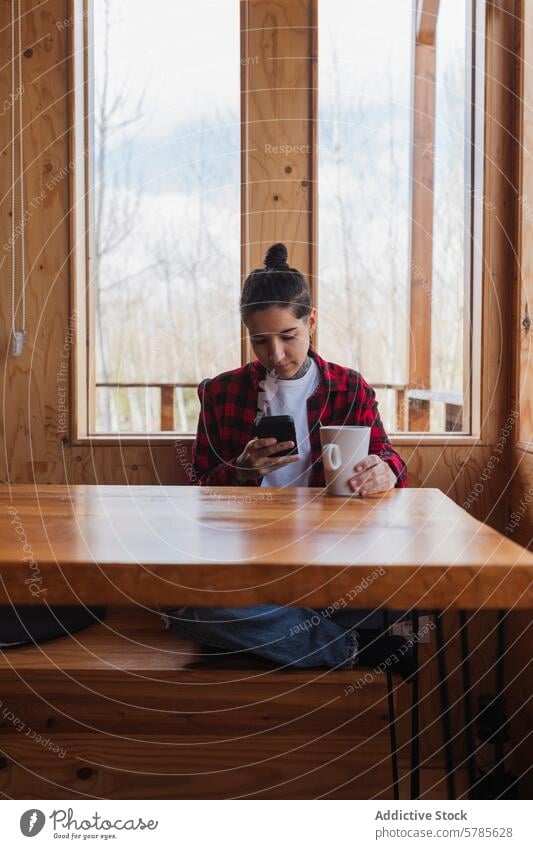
(343, 446)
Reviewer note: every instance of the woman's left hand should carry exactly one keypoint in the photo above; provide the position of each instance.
(372, 475)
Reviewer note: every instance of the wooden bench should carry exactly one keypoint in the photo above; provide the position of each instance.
(125, 709)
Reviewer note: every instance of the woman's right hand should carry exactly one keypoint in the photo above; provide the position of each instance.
(258, 458)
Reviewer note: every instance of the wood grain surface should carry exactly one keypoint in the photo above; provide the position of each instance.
(244, 545)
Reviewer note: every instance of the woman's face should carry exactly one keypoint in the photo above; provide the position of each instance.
(280, 340)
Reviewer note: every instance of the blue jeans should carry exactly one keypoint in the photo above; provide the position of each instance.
(295, 636)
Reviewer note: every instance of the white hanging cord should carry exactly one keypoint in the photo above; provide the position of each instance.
(18, 336)
(13, 198)
(21, 183)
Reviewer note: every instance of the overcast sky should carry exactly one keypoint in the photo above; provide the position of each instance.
(183, 55)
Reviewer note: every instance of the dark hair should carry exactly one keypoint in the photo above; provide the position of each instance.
(276, 285)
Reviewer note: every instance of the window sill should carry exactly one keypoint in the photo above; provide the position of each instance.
(414, 439)
(526, 447)
(445, 439)
(170, 438)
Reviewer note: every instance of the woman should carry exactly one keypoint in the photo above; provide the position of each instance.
(287, 377)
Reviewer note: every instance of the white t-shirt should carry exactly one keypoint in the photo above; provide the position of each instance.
(289, 398)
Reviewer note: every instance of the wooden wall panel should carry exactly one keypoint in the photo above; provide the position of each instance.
(29, 383)
(280, 55)
(35, 447)
(421, 246)
(519, 625)
(523, 330)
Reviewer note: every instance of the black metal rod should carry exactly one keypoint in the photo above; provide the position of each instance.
(500, 682)
(445, 707)
(392, 721)
(415, 716)
(467, 700)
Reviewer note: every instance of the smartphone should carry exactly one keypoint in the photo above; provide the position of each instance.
(280, 427)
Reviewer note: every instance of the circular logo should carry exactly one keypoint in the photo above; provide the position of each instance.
(32, 822)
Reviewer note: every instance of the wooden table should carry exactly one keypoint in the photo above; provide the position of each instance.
(237, 546)
(125, 545)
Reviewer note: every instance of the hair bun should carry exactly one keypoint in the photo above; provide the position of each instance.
(276, 257)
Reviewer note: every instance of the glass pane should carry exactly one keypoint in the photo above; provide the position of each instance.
(448, 284)
(186, 409)
(132, 409)
(137, 409)
(365, 132)
(166, 196)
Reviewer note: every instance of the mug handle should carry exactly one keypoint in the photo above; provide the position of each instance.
(331, 457)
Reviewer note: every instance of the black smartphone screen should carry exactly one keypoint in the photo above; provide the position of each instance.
(281, 428)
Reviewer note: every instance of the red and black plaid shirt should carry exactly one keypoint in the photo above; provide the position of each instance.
(229, 407)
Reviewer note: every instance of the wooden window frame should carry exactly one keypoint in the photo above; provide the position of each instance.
(252, 241)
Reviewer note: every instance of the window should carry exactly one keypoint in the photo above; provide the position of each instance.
(165, 231)
(396, 198)
(387, 244)
(449, 339)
